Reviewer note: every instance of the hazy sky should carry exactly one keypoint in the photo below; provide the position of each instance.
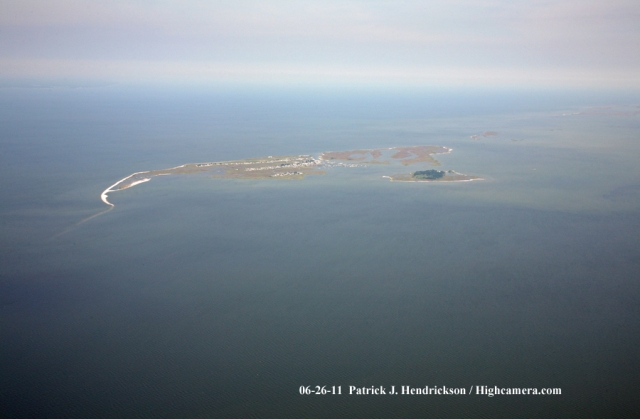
(453, 42)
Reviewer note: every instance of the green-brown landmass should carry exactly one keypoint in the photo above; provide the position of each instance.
(440, 176)
(297, 167)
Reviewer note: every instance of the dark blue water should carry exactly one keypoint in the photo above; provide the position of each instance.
(198, 297)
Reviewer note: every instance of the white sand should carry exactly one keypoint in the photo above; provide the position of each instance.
(104, 194)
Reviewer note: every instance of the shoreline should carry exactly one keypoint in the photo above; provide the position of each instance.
(105, 194)
(391, 179)
(307, 165)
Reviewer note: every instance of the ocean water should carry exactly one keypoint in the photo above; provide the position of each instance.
(210, 298)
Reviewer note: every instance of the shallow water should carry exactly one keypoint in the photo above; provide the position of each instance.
(199, 297)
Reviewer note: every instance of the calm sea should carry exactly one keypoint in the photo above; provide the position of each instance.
(211, 298)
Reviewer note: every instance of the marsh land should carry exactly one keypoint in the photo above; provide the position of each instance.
(297, 167)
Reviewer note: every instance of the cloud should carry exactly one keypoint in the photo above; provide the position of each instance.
(532, 39)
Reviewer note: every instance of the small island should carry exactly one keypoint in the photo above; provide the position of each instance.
(297, 167)
(484, 134)
(434, 176)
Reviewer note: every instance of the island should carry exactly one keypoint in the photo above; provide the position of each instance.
(434, 176)
(297, 167)
(484, 134)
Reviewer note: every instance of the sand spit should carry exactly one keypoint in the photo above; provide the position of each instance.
(433, 181)
(105, 194)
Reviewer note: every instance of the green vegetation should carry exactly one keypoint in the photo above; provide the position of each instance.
(428, 174)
